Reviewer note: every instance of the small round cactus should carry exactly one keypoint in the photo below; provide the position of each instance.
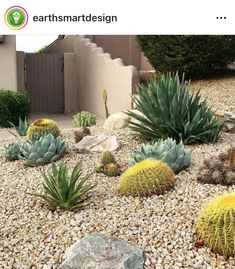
(218, 170)
(41, 127)
(84, 119)
(216, 226)
(107, 158)
(111, 170)
(146, 178)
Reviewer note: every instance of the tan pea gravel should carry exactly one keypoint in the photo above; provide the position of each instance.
(220, 92)
(34, 237)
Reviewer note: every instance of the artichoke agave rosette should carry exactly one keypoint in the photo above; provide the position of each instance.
(45, 150)
(166, 150)
(12, 152)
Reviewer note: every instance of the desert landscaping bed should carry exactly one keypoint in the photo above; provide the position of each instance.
(34, 236)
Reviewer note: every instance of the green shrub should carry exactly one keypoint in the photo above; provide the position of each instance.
(170, 111)
(195, 55)
(12, 106)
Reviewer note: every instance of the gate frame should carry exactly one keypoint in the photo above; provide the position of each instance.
(70, 79)
(44, 81)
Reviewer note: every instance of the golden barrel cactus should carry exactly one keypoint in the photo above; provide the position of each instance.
(146, 178)
(216, 225)
(42, 127)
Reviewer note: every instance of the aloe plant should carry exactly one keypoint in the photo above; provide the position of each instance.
(64, 191)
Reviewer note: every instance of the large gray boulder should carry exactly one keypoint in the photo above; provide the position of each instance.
(97, 143)
(99, 251)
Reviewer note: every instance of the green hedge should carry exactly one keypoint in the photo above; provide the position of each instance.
(12, 106)
(197, 56)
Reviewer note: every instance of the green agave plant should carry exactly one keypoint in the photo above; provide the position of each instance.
(44, 150)
(64, 191)
(169, 110)
(22, 128)
(166, 150)
(12, 152)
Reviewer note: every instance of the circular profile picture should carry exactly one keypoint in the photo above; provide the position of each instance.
(16, 17)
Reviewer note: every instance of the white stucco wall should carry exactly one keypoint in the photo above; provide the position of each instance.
(94, 71)
(8, 70)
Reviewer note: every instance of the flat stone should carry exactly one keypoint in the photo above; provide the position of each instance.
(116, 121)
(99, 251)
(97, 143)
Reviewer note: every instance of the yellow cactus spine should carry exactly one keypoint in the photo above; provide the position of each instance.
(216, 225)
(146, 178)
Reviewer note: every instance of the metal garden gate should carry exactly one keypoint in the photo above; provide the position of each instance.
(44, 79)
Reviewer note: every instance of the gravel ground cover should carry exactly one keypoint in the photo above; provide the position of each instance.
(219, 92)
(33, 236)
